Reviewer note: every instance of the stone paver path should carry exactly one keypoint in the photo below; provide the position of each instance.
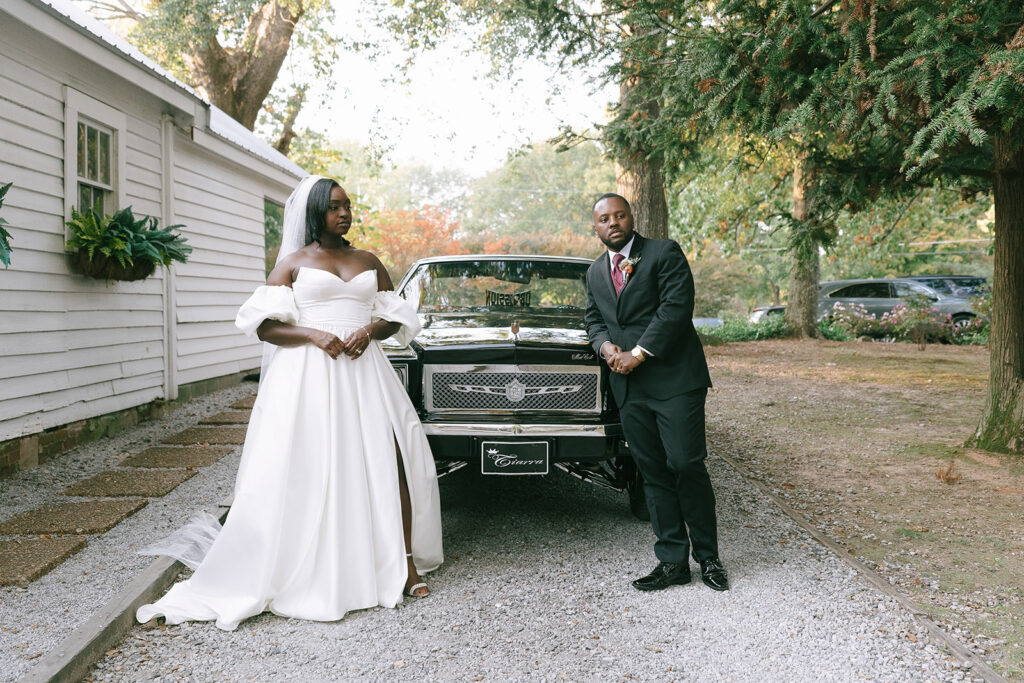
(151, 483)
(23, 560)
(177, 456)
(152, 473)
(208, 435)
(230, 417)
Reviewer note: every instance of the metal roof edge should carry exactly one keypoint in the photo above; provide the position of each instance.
(218, 122)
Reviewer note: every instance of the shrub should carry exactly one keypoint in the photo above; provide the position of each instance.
(122, 247)
(916, 321)
(913, 321)
(740, 329)
(833, 332)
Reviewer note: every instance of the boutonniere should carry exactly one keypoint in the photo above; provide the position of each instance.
(627, 267)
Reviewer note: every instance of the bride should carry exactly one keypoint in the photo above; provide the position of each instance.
(336, 503)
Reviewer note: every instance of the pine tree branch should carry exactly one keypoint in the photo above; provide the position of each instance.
(824, 8)
(899, 217)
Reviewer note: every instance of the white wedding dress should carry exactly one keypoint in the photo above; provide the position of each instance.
(315, 529)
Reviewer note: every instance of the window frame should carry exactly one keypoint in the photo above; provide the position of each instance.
(80, 108)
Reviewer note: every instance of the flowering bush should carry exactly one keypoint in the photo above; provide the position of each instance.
(855, 321)
(916, 321)
(913, 321)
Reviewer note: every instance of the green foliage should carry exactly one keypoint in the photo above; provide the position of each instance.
(736, 329)
(5, 237)
(313, 152)
(125, 239)
(170, 30)
(375, 185)
(539, 196)
(540, 190)
(946, 77)
(832, 331)
(725, 286)
(916, 321)
(232, 51)
(934, 231)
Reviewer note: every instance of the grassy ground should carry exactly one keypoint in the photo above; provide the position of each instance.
(856, 436)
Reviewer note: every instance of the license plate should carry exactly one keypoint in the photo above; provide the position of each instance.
(514, 457)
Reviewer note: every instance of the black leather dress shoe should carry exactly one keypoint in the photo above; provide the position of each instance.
(713, 574)
(664, 575)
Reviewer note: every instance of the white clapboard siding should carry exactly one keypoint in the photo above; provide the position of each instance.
(222, 206)
(70, 347)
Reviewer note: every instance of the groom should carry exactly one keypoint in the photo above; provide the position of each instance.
(639, 319)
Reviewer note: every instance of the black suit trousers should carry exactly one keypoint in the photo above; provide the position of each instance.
(666, 439)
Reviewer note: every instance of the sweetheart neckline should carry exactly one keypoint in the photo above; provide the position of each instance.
(335, 275)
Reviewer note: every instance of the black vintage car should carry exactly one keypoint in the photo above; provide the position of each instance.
(503, 376)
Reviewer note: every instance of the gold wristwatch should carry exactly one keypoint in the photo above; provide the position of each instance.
(639, 354)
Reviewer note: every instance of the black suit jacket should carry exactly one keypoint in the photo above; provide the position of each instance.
(654, 310)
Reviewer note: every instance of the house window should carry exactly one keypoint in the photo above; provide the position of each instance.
(273, 220)
(94, 159)
(95, 179)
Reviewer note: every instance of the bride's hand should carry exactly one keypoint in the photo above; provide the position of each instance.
(356, 343)
(330, 343)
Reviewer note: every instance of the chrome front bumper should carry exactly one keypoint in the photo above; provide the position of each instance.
(498, 429)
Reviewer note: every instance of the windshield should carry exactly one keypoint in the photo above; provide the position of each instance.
(530, 286)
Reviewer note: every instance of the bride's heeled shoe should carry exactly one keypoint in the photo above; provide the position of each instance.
(417, 590)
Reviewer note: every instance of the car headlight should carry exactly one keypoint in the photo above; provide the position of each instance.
(403, 374)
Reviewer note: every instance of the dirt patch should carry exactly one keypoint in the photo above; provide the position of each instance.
(247, 402)
(855, 436)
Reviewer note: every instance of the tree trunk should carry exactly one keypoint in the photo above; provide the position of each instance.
(638, 173)
(1002, 425)
(804, 272)
(238, 80)
(288, 132)
(642, 183)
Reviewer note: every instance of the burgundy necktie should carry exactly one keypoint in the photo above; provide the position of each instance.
(617, 280)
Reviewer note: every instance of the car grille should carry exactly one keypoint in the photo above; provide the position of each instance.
(563, 389)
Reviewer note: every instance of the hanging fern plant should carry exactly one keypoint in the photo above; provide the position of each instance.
(121, 247)
(5, 237)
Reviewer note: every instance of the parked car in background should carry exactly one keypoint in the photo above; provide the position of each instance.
(965, 286)
(879, 296)
(762, 312)
(503, 376)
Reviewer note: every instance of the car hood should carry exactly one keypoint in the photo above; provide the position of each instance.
(489, 338)
(492, 328)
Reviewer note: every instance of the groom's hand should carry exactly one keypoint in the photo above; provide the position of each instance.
(609, 352)
(618, 360)
(626, 363)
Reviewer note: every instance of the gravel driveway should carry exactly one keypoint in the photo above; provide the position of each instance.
(536, 587)
(36, 618)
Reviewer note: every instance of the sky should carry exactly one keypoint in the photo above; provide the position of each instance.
(449, 113)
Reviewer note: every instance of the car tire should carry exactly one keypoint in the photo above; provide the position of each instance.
(635, 490)
(962, 320)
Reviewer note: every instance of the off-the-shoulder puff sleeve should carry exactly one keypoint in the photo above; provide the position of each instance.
(268, 302)
(389, 306)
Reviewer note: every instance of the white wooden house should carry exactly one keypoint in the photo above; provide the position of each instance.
(71, 347)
